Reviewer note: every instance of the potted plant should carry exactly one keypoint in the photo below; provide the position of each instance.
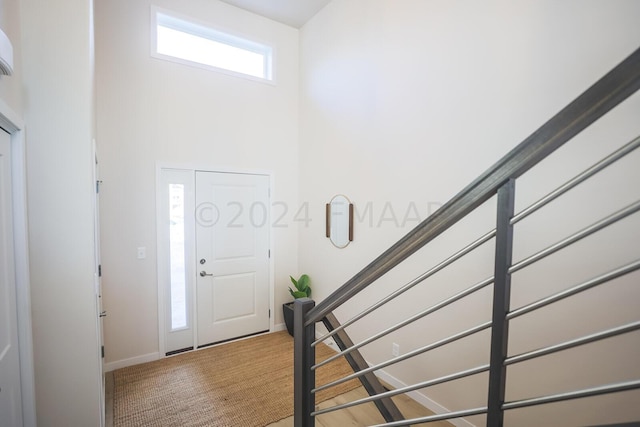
(302, 290)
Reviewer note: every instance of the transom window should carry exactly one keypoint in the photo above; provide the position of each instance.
(182, 41)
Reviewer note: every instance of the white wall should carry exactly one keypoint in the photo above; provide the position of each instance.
(58, 109)
(151, 110)
(11, 86)
(11, 105)
(403, 103)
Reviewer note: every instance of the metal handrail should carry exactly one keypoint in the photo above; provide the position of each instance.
(589, 392)
(453, 338)
(605, 94)
(630, 327)
(585, 232)
(603, 278)
(439, 417)
(478, 286)
(484, 368)
(594, 391)
(629, 268)
(395, 392)
(446, 262)
(608, 92)
(578, 179)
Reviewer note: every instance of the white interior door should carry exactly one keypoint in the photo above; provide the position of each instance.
(232, 252)
(10, 393)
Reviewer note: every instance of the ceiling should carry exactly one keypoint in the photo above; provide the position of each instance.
(290, 12)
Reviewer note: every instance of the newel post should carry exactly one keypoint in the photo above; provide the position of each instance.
(304, 356)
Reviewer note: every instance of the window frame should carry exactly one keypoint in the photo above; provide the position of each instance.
(169, 19)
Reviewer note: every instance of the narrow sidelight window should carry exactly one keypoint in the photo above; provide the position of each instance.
(177, 256)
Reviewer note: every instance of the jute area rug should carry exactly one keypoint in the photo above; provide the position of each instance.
(242, 384)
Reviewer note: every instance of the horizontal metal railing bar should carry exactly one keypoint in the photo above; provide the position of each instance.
(613, 88)
(439, 417)
(406, 356)
(578, 179)
(615, 388)
(597, 226)
(604, 278)
(595, 391)
(407, 389)
(630, 327)
(448, 261)
(432, 309)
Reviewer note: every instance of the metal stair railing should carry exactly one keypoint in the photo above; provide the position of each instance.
(500, 180)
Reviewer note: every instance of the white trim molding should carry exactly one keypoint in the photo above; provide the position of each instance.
(191, 168)
(123, 363)
(394, 382)
(422, 399)
(10, 122)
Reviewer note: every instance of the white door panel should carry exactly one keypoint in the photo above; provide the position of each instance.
(239, 288)
(10, 390)
(232, 248)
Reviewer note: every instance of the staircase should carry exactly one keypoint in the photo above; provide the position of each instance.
(550, 332)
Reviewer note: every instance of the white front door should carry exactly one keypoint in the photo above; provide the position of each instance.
(232, 255)
(10, 393)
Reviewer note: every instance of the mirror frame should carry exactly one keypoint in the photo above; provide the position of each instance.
(328, 224)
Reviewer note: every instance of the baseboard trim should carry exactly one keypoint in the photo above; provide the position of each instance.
(422, 399)
(123, 363)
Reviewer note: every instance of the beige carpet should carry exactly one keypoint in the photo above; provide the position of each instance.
(241, 384)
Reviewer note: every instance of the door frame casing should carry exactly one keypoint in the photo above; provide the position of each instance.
(10, 122)
(97, 279)
(162, 297)
(187, 177)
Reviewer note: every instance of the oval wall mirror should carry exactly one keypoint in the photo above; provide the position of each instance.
(339, 225)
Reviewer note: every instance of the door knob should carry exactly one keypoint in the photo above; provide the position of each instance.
(204, 273)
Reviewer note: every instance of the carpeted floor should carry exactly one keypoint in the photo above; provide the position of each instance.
(244, 383)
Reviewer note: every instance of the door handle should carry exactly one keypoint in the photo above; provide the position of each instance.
(103, 314)
(204, 273)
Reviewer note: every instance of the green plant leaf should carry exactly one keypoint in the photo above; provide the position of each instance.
(303, 282)
(302, 287)
(299, 294)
